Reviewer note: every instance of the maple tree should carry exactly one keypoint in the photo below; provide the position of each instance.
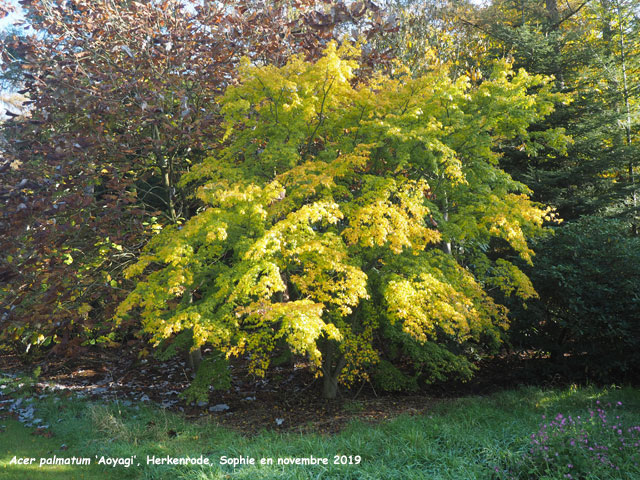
(350, 207)
(339, 207)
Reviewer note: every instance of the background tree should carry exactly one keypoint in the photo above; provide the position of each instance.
(591, 49)
(430, 32)
(586, 316)
(586, 46)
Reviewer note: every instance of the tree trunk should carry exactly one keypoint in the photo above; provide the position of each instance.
(446, 246)
(165, 166)
(194, 356)
(166, 180)
(552, 12)
(194, 359)
(331, 373)
(329, 387)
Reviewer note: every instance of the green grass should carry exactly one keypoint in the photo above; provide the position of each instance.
(18, 441)
(460, 439)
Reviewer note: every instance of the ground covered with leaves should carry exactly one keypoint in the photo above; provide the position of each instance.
(286, 399)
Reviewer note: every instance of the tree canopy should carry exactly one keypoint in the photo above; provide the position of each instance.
(331, 194)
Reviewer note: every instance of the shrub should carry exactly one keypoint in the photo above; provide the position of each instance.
(588, 278)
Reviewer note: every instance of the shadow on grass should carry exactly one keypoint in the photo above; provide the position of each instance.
(17, 441)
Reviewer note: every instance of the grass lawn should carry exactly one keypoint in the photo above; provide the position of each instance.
(18, 441)
(467, 438)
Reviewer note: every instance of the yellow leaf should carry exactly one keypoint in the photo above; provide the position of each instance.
(84, 309)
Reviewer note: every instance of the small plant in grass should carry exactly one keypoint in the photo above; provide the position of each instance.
(582, 447)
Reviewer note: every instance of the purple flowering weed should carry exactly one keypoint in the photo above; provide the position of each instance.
(584, 447)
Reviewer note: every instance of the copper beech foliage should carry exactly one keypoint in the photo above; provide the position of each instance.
(121, 102)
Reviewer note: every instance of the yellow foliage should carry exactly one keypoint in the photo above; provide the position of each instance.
(329, 192)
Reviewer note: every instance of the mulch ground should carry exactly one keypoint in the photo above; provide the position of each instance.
(288, 398)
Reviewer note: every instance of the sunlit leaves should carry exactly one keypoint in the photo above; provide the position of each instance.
(329, 208)
(387, 214)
